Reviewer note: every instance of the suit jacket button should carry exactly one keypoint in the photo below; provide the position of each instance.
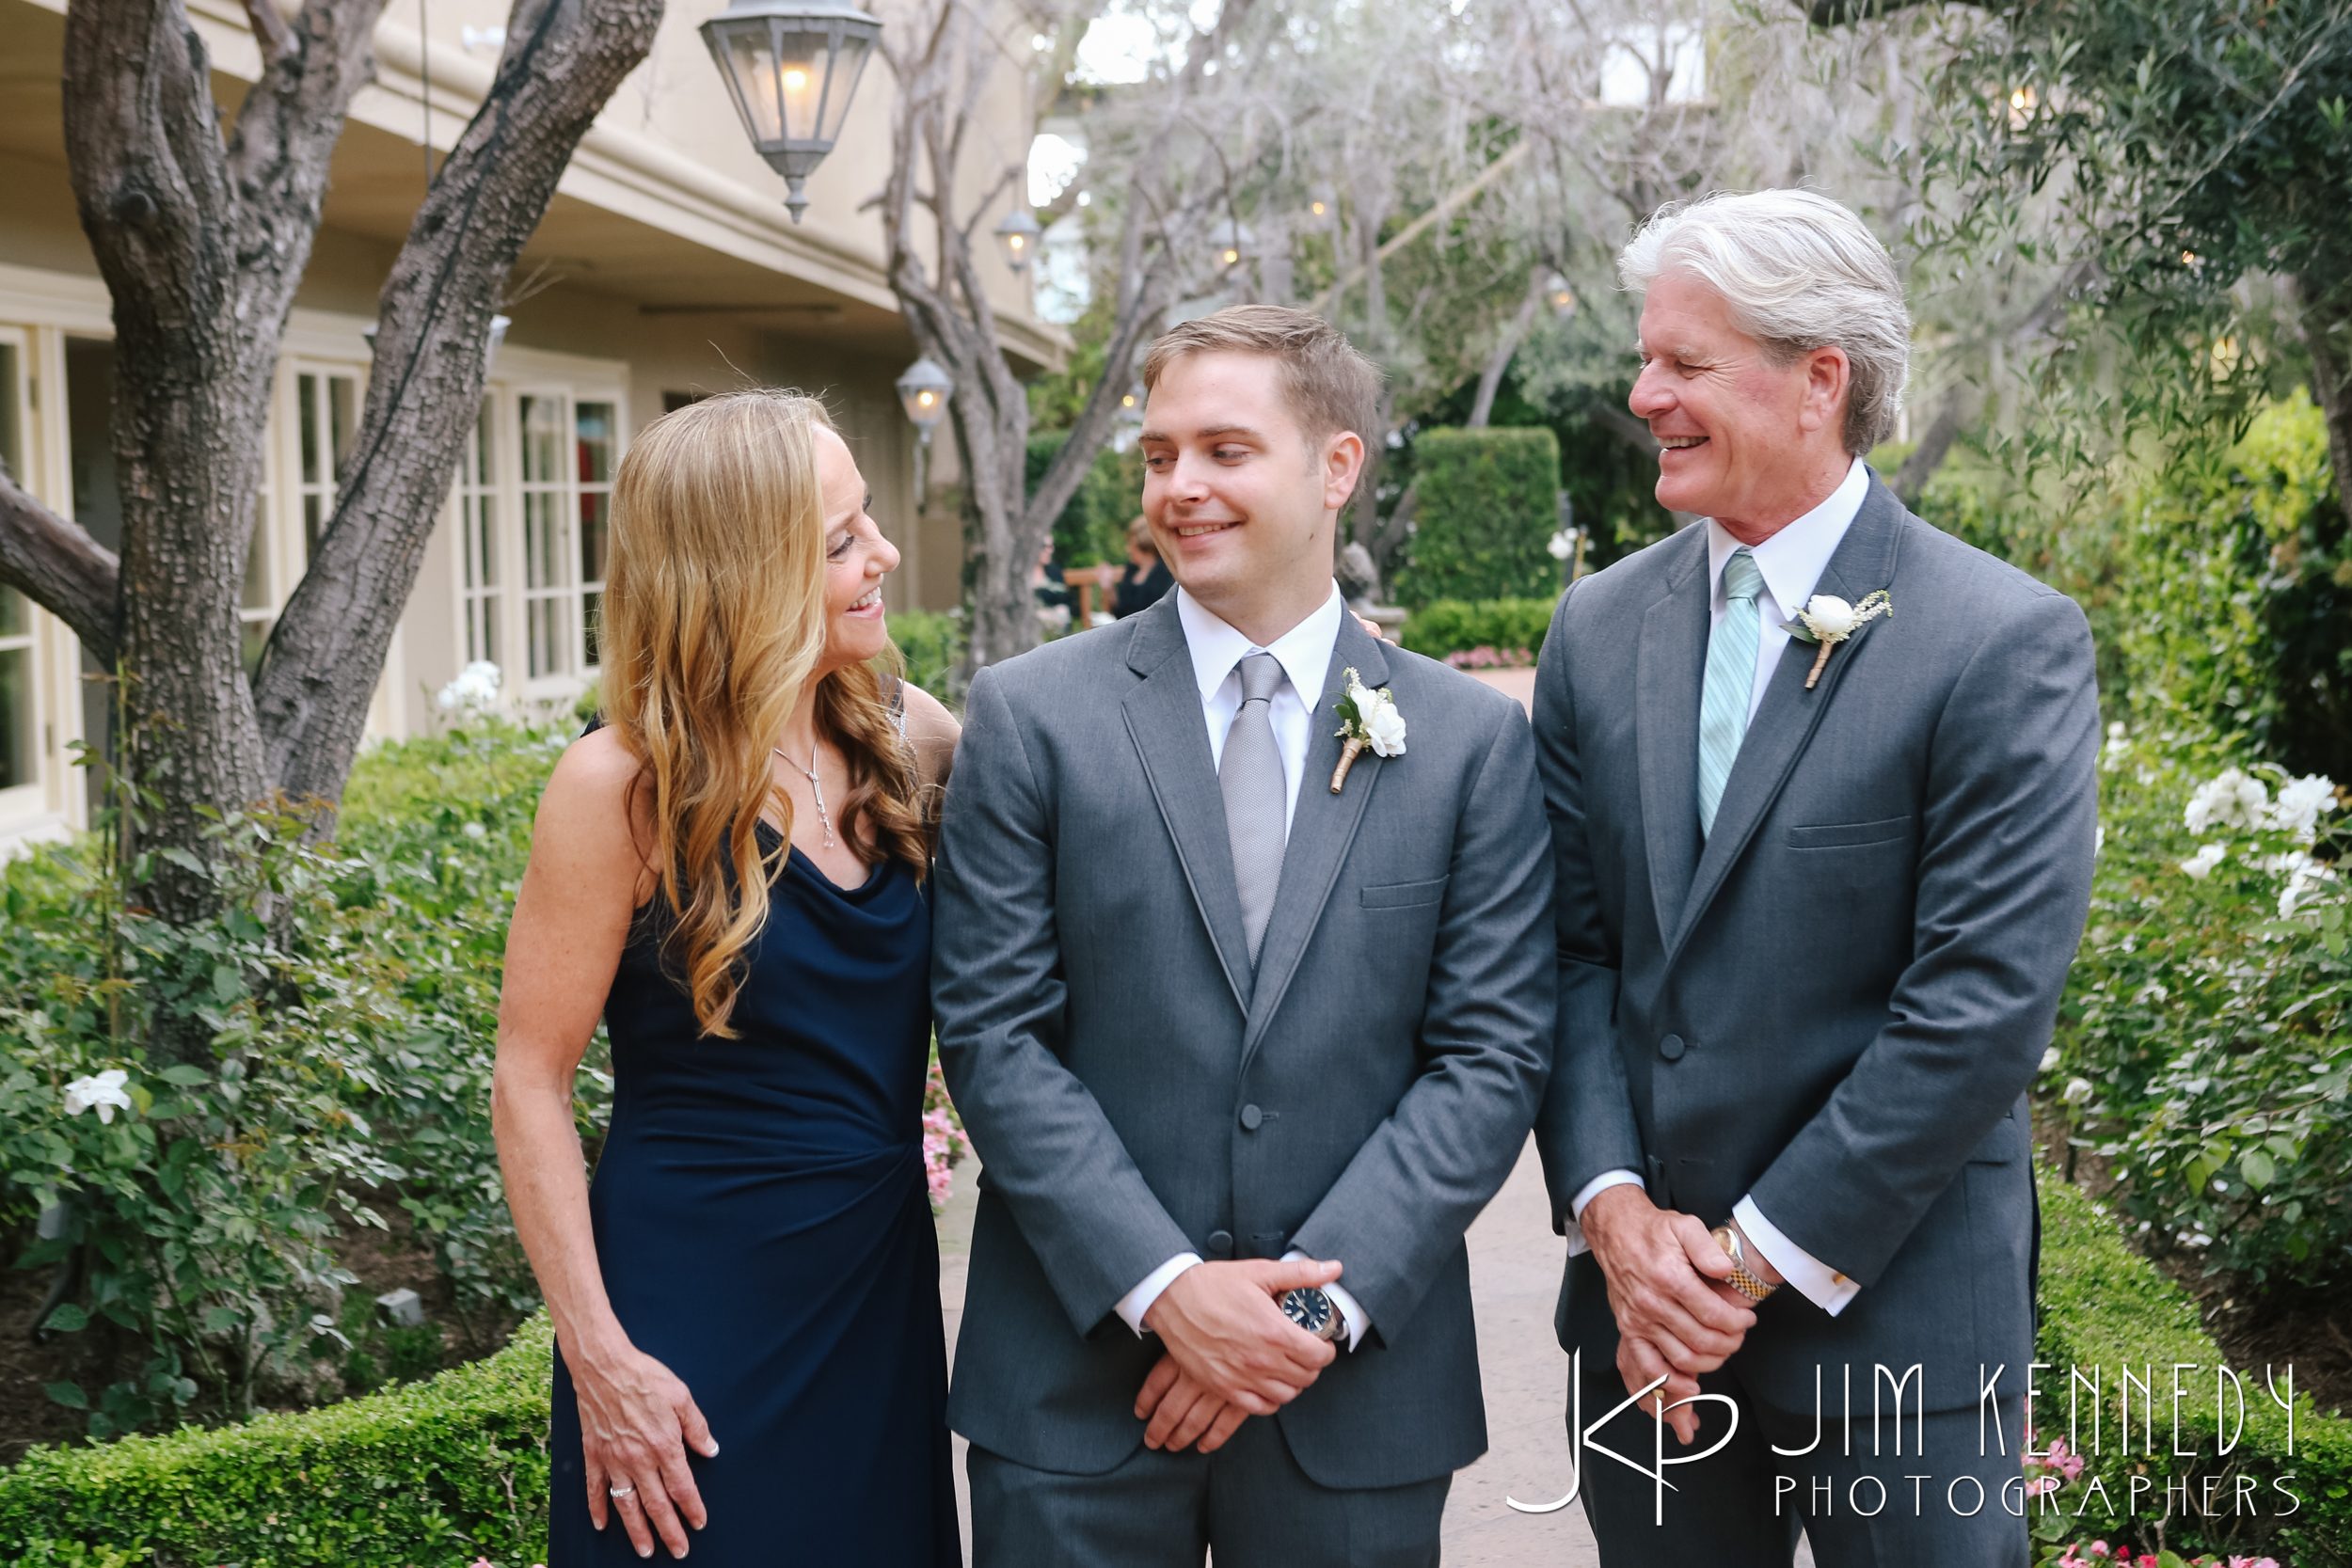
(1671, 1048)
(1220, 1244)
(1251, 1117)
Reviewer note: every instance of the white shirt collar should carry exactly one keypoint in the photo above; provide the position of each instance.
(1794, 559)
(1304, 650)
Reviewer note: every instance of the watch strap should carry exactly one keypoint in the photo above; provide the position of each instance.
(1743, 1279)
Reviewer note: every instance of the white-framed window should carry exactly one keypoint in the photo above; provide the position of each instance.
(326, 414)
(19, 678)
(481, 542)
(566, 447)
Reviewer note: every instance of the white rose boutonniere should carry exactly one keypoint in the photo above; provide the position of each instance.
(1828, 620)
(1367, 717)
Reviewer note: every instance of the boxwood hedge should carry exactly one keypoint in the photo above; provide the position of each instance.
(432, 1475)
(2105, 1307)
(438, 1474)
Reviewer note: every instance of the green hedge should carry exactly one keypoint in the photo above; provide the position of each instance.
(1092, 528)
(1488, 507)
(2104, 1305)
(441, 1472)
(1443, 627)
(436, 1473)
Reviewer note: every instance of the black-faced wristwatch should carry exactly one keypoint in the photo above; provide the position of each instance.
(1311, 1308)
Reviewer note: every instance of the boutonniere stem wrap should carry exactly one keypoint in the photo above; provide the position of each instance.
(1827, 620)
(1367, 717)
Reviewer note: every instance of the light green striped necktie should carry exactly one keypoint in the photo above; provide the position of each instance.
(1730, 682)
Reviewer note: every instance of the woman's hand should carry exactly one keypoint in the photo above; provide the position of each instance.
(636, 1422)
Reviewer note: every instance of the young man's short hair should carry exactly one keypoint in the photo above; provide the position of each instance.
(1330, 384)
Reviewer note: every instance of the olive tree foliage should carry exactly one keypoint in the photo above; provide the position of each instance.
(2185, 171)
(949, 176)
(202, 224)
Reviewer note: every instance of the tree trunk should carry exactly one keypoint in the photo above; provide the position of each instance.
(562, 62)
(203, 242)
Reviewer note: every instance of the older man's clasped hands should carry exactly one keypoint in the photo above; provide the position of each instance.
(1678, 1316)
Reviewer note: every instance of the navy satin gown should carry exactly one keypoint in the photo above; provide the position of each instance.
(764, 1231)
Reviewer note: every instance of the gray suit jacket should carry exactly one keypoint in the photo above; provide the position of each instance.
(1136, 1092)
(1835, 1000)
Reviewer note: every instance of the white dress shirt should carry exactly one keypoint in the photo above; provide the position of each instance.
(1791, 563)
(1305, 654)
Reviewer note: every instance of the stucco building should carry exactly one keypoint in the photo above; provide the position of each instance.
(666, 268)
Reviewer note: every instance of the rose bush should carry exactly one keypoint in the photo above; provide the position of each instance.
(2203, 1047)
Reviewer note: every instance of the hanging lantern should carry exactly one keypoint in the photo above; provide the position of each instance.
(1560, 296)
(1017, 237)
(791, 70)
(924, 390)
(1229, 244)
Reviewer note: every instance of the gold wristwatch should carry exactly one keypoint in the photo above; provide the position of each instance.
(1743, 1279)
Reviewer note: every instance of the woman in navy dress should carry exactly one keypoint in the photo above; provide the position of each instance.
(746, 1299)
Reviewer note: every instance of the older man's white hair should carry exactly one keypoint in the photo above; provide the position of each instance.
(1800, 273)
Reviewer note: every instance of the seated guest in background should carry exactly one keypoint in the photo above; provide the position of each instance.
(1146, 577)
(1046, 582)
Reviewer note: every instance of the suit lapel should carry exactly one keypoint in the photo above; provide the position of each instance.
(1323, 825)
(1670, 666)
(1165, 721)
(1787, 720)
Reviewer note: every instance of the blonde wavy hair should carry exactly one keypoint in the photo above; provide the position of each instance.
(714, 620)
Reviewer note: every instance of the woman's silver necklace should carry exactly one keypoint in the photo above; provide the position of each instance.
(813, 788)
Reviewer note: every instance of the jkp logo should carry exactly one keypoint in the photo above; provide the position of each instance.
(1580, 1440)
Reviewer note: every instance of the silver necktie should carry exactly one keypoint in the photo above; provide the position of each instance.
(1250, 775)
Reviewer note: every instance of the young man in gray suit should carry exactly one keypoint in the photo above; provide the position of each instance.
(1244, 1044)
(1817, 900)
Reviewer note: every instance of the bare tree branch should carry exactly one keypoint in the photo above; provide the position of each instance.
(269, 30)
(1491, 380)
(57, 565)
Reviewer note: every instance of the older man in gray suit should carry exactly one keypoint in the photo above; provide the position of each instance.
(1244, 1043)
(1818, 882)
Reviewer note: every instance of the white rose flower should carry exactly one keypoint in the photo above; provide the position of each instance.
(476, 687)
(2201, 864)
(2302, 802)
(2077, 1090)
(1383, 725)
(103, 1090)
(1827, 615)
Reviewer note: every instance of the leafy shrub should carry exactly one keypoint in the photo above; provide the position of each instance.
(199, 1220)
(2234, 573)
(342, 1008)
(1092, 528)
(931, 645)
(2205, 1041)
(1488, 507)
(440, 1471)
(2104, 1308)
(1444, 626)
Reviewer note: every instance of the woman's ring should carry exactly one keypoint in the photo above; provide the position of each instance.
(621, 1492)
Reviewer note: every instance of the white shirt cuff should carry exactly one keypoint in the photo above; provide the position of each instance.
(1593, 1189)
(1356, 1321)
(1815, 1281)
(1136, 1303)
